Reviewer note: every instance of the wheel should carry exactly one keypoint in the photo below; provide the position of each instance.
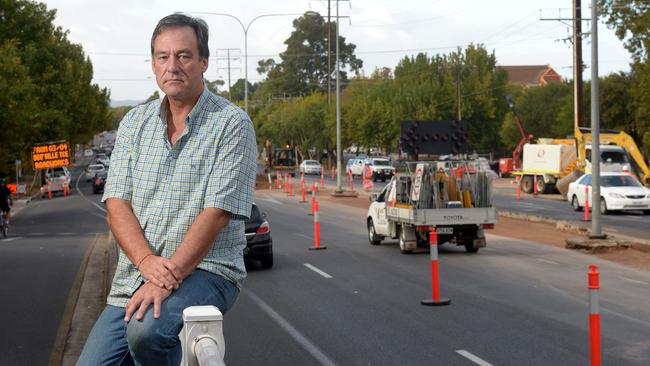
(372, 234)
(527, 184)
(541, 186)
(267, 261)
(575, 203)
(402, 243)
(646, 212)
(469, 248)
(603, 206)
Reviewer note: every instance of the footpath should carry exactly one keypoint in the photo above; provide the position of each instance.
(87, 299)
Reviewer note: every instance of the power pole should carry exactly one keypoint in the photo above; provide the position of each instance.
(228, 57)
(329, 55)
(576, 39)
(458, 95)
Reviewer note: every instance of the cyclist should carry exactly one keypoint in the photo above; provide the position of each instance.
(5, 200)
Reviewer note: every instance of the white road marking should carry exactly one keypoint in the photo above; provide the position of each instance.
(269, 199)
(10, 239)
(84, 196)
(477, 360)
(633, 280)
(546, 261)
(303, 236)
(64, 234)
(306, 344)
(317, 270)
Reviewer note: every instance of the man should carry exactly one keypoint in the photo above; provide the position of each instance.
(179, 186)
(5, 200)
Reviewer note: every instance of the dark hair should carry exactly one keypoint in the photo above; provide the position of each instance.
(178, 20)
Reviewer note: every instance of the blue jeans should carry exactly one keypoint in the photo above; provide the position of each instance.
(154, 341)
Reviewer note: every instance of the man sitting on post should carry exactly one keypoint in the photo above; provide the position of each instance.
(179, 188)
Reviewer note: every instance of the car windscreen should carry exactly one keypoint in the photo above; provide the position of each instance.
(613, 157)
(380, 162)
(311, 162)
(619, 181)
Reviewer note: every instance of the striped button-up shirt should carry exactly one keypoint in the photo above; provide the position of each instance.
(212, 164)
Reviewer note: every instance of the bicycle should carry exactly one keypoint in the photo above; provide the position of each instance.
(4, 225)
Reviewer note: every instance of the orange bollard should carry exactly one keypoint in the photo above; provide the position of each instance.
(291, 190)
(317, 245)
(302, 179)
(49, 192)
(518, 191)
(302, 191)
(333, 173)
(313, 203)
(594, 315)
(350, 180)
(535, 184)
(435, 286)
(314, 187)
(586, 203)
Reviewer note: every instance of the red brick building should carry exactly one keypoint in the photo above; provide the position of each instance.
(531, 75)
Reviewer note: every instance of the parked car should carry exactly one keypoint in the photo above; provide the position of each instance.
(310, 167)
(102, 158)
(98, 181)
(93, 169)
(55, 179)
(618, 191)
(259, 245)
(355, 165)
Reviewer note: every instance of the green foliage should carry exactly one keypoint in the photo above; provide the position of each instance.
(45, 83)
(303, 69)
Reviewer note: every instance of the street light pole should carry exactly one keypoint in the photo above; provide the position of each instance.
(338, 108)
(245, 28)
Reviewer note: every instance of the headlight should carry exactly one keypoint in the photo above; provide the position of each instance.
(616, 195)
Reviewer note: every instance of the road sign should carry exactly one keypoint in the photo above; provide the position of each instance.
(51, 155)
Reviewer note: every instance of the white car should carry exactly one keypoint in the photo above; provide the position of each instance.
(93, 169)
(380, 168)
(55, 180)
(310, 167)
(618, 191)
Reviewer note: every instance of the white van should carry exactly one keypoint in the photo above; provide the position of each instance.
(55, 179)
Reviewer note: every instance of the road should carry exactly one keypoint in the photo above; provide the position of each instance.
(514, 303)
(632, 223)
(39, 262)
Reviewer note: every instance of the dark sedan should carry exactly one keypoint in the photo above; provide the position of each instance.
(98, 182)
(259, 245)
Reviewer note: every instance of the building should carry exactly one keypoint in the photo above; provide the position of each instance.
(531, 75)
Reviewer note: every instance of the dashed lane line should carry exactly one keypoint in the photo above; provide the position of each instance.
(305, 343)
(317, 270)
(6, 240)
(547, 261)
(633, 280)
(477, 360)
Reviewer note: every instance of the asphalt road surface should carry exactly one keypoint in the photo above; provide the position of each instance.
(513, 303)
(39, 262)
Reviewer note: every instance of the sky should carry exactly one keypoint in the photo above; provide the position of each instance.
(116, 34)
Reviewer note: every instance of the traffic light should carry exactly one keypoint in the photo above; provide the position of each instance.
(434, 137)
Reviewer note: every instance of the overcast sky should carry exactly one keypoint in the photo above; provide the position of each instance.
(116, 34)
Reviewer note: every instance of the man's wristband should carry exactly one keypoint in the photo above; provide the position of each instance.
(142, 260)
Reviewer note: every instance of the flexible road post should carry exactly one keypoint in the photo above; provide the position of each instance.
(313, 203)
(535, 184)
(594, 315)
(314, 187)
(350, 180)
(333, 173)
(322, 177)
(291, 190)
(518, 187)
(286, 183)
(317, 245)
(302, 179)
(435, 285)
(49, 192)
(586, 203)
(302, 191)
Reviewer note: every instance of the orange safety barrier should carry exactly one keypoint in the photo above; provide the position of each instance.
(317, 245)
(322, 177)
(291, 190)
(594, 315)
(435, 286)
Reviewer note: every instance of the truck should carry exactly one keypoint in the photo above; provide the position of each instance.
(547, 162)
(455, 201)
(281, 159)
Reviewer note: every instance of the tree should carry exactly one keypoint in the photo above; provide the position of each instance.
(46, 90)
(303, 69)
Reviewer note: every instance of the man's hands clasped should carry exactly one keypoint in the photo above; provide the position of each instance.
(161, 272)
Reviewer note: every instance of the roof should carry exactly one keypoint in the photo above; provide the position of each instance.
(531, 75)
